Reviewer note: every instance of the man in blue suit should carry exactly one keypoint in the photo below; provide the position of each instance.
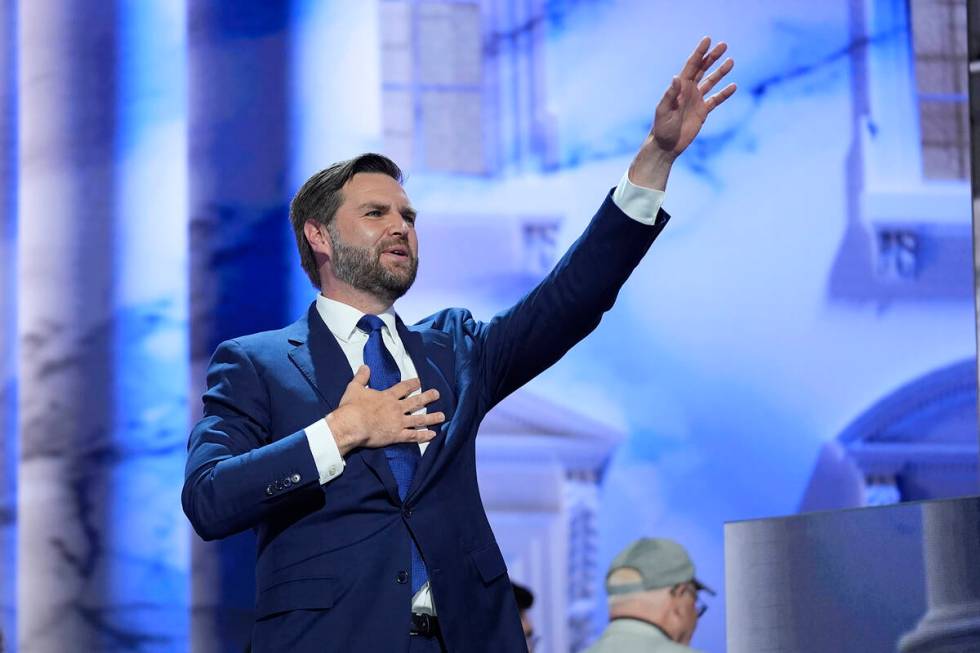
(347, 439)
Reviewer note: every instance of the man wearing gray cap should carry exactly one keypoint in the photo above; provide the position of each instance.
(653, 600)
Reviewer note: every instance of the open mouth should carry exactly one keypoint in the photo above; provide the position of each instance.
(399, 252)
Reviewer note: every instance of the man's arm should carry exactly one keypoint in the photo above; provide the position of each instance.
(680, 114)
(526, 339)
(235, 476)
(521, 342)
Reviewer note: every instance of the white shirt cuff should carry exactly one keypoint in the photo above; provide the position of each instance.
(326, 456)
(638, 202)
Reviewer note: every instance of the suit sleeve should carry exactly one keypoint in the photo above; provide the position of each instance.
(235, 474)
(566, 306)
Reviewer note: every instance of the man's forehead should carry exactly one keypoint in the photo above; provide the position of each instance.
(367, 186)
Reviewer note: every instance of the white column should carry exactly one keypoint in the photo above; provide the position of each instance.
(951, 542)
(8, 320)
(761, 606)
(65, 256)
(581, 496)
(102, 555)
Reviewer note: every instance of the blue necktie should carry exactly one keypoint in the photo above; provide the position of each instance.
(403, 458)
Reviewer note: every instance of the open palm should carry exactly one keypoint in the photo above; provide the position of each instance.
(684, 106)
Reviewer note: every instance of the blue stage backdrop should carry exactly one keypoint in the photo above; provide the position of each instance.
(801, 337)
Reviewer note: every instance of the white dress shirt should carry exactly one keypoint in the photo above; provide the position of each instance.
(641, 204)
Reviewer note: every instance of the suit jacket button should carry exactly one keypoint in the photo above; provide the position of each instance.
(401, 577)
(278, 485)
(286, 482)
(269, 490)
(295, 478)
(407, 512)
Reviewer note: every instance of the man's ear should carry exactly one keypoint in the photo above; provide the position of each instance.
(319, 239)
(676, 594)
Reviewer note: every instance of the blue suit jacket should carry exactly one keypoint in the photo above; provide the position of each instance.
(330, 558)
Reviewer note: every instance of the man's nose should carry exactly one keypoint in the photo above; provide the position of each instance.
(397, 224)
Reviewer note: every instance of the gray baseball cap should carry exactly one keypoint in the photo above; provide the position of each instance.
(660, 562)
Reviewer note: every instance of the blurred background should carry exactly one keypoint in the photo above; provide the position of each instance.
(805, 324)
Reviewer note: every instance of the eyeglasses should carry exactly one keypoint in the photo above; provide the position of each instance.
(699, 606)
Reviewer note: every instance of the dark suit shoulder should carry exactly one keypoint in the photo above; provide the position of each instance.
(258, 342)
(273, 343)
(451, 336)
(441, 327)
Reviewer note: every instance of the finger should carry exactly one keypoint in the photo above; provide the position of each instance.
(672, 94)
(423, 420)
(429, 419)
(715, 77)
(417, 435)
(710, 60)
(412, 404)
(693, 63)
(712, 102)
(404, 388)
(362, 376)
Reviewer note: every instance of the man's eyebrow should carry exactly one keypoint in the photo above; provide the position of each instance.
(373, 205)
(381, 206)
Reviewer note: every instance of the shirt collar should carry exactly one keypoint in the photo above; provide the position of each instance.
(342, 318)
(637, 626)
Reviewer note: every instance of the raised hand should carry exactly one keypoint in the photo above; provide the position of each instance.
(372, 418)
(680, 114)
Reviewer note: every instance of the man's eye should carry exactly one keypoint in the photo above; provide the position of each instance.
(375, 213)
(410, 219)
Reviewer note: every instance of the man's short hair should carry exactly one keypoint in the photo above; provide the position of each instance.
(321, 196)
(628, 578)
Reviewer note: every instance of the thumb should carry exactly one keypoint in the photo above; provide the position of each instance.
(673, 93)
(362, 375)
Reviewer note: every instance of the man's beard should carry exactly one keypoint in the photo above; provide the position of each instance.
(361, 267)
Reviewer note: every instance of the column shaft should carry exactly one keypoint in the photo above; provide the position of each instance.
(951, 540)
(102, 556)
(241, 245)
(8, 321)
(67, 108)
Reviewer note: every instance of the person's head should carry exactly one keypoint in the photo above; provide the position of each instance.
(653, 580)
(525, 599)
(355, 229)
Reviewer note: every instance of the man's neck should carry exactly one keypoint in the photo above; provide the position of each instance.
(362, 301)
(646, 621)
(640, 613)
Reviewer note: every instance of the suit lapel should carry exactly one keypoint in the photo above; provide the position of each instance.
(431, 377)
(321, 360)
